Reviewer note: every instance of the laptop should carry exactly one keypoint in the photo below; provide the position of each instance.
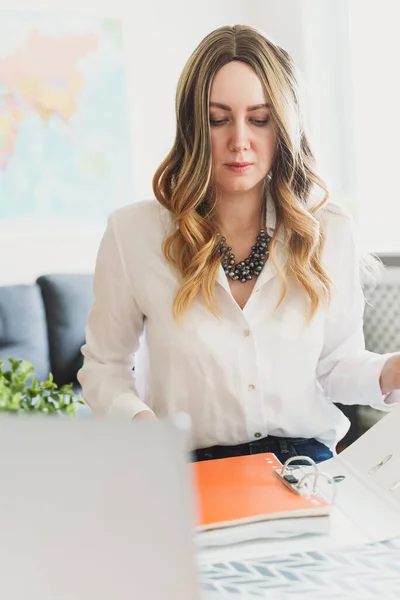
(95, 510)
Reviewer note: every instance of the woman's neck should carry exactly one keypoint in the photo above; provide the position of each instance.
(239, 215)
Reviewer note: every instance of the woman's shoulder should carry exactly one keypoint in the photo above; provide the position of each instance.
(140, 227)
(331, 208)
(145, 219)
(331, 215)
(341, 242)
(336, 218)
(140, 214)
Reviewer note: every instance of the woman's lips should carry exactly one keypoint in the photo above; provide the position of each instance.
(239, 167)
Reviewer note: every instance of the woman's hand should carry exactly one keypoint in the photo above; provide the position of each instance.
(390, 376)
(144, 414)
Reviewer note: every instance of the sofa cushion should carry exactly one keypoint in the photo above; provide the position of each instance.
(67, 300)
(23, 330)
(382, 313)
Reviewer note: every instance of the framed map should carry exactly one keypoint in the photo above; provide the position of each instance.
(65, 147)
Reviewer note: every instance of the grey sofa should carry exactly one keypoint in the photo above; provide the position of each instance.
(381, 327)
(44, 323)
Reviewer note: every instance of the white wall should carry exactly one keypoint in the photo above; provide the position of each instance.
(159, 38)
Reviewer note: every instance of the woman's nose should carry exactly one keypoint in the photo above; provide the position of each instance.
(239, 140)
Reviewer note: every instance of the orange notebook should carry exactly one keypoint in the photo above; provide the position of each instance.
(245, 489)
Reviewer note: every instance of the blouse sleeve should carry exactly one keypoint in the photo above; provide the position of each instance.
(348, 373)
(114, 326)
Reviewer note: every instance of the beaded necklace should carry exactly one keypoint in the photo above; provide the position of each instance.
(252, 266)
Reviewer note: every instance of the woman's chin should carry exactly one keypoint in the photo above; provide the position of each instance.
(236, 187)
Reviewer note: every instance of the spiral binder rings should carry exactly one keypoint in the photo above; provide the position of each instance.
(299, 484)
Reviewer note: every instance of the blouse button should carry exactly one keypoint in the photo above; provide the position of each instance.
(246, 332)
(252, 387)
(257, 434)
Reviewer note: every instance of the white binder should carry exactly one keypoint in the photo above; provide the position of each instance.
(370, 491)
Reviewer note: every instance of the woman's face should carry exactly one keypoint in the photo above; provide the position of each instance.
(243, 137)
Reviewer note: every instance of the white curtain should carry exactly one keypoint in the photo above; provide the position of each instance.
(375, 52)
(351, 65)
(327, 73)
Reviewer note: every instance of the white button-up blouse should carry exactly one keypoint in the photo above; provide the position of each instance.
(244, 374)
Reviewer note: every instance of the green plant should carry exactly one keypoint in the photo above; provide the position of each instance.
(20, 392)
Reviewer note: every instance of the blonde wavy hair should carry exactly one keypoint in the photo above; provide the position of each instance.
(183, 182)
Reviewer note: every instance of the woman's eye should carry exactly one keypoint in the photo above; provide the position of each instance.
(257, 122)
(261, 122)
(217, 122)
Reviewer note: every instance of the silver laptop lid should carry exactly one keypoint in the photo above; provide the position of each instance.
(94, 509)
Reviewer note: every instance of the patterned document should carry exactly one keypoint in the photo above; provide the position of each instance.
(358, 573)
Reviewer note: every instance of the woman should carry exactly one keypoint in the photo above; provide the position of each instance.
(242, 275)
